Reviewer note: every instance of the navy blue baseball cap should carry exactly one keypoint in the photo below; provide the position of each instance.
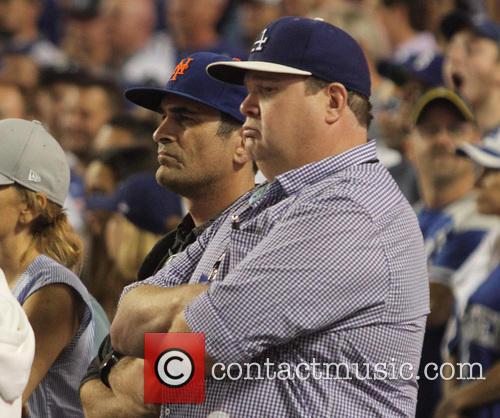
(302, 46)
(142, 201)
(457, 21)
(190, 80)
(426, 67)
(487, 29)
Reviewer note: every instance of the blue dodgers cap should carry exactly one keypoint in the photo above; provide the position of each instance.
(302, 46)
(142, 201)
(426, 67)
(190, 80)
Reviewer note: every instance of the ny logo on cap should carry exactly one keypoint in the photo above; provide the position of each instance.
(258, 45)
(181, 68)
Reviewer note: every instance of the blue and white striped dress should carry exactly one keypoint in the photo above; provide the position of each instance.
(57, 395)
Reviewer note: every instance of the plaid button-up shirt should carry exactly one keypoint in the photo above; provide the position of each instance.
(323, 265)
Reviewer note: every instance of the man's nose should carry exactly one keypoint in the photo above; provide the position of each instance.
(249, 107)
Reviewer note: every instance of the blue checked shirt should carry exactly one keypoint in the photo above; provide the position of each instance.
(325, 264)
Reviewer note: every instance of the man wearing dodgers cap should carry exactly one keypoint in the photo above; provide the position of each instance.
(324, 271)
(478, 307)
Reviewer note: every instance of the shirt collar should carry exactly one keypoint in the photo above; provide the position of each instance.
(294, 180)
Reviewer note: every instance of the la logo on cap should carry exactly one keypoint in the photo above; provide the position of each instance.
(181, 68)
(258, 45)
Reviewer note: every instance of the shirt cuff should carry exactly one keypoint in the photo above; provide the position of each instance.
(220, 344)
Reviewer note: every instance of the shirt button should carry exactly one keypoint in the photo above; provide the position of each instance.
(166, 411)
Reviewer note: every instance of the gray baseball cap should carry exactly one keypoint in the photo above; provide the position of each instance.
(31, 157)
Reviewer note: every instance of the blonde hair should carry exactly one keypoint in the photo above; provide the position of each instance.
(52, 233)
(134, 246)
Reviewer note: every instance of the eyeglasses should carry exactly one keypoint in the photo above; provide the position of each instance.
(454, 130)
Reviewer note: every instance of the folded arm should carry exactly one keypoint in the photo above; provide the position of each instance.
(149, 309)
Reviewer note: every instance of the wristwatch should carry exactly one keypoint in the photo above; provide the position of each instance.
(109, 361)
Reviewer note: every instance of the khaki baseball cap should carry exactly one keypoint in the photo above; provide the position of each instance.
(441, 93)
(31, 157)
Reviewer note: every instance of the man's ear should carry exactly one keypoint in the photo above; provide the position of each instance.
(337, 101)
(241, 155)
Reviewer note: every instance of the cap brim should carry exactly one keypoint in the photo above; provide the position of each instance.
(233, 72)
(480, 155)
(4, 181)
(151, 98)
(441, 93)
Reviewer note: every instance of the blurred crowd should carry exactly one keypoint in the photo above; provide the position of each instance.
(435, 72)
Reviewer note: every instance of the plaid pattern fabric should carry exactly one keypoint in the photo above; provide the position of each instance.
(325, 264)
(57, 394)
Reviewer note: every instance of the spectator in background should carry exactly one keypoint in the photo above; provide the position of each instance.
(20, 20)
(86, 104)
(99, 101)
(473, 69)
(255, 15)
(139, 55)
(38, 249)
(478, 306)
(121, 148)
(141, 213)
(404, 23)
(193, 26)
(385, 93)
(124, 131)
(13, 103)
(451, 226)
(18, 67)
(413, 77)
(55, 91)
(85, 41)
(17, 348)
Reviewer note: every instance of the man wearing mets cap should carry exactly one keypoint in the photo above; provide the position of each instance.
(317, 288)
(202, 158)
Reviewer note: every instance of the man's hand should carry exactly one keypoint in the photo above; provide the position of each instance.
(100, 402)
(125, 399)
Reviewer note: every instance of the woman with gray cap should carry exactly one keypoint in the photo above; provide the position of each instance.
(38, 249)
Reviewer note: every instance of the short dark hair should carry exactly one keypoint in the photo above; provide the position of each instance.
(227, 125)
(359, 105)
